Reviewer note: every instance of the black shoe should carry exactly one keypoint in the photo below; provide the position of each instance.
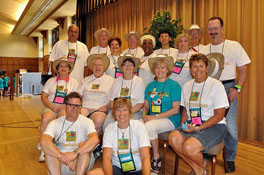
(230, 167)
(98, 151)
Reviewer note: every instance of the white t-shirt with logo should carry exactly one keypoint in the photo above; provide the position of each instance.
(51, 85)
(61, 49)
(98, 50)
(139, 139)
(96, 92)
(77, 132)
(170, 52)
(235, 56)
(211, 93)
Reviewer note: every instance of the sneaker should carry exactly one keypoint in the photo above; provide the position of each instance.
(98, 151)
(42, 157)
(231, 167)
(39, 147)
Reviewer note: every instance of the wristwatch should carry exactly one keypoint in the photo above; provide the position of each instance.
(76, 152)
(238, 88)
(157, 116)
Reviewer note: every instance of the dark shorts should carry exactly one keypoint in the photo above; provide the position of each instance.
(89, 115)
(208, 137)
(5, 88)
(118, 171)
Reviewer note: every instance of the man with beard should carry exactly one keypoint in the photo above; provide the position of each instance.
(147, 42)
(235, 57)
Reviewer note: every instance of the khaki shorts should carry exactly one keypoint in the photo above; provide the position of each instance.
(46, 109)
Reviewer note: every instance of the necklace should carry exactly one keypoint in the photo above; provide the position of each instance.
(123, 133)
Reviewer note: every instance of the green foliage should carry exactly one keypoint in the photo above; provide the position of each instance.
(164, 22)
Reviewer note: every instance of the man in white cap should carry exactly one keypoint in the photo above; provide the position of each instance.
(196, 34)
(148, 43)
(133, 41)
(74, 50)
(235, 57)
(102, 35)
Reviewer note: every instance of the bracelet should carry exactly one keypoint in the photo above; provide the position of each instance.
(238, 86)
(197, 129)
(144, 113)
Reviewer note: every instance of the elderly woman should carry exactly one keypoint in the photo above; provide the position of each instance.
(53, 93)
(115, 45)
(196, 33)
(125, 143)
(162, 103)
(181, 72)
(204, 100)
(95, 90)
(129, 86)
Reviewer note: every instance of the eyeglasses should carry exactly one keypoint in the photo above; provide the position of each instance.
(74, 106)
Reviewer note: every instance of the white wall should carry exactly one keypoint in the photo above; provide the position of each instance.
(17, 46)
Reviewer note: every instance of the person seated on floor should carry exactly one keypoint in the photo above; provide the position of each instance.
(128, 86)
(69, 140)
(95, 91)
(204, 100)
(162, 103)
(53, 93)
(125, 143)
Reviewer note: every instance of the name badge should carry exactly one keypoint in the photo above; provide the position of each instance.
(124, 92)
(127, 162)
(59, 97)
(196, 116)
(118, 72)
(71, 57)
(178, 66)
(95, 86)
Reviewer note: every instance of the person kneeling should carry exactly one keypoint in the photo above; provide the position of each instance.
(69, 140)
(126, 145)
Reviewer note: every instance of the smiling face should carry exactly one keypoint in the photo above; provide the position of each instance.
(183, 44)
(128, 67)
(103, 38)
(63, 68)
(122, 115)
(161, 71)
(73, 33)
(115, 47)
(164, 39)
(98, 67)
(147, 46)
(199, 71)
(215, 31)
(132, 41)
(196, 36)
(73, 108)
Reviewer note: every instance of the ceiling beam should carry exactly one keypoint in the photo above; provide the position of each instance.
(7, 18)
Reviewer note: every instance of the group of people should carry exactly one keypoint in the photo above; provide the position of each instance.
(4, 85)
(122, 101)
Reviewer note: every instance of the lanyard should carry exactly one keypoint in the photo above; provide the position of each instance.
(130, 87)
(162, 49)
(135, 55)
(113, 59)
(200, 97)
(100, 48)
(186, 58)
(61, 134)
(222, 48)
(130, 143)
(154, 89)
(76, 47)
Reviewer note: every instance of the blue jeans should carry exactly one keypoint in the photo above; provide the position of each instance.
(231, 138)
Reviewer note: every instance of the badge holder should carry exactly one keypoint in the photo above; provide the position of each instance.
(195, 114)
(156, 106)
(72, 57)
(59, 97)
(127, 162)
(118, 72)
(178, 66)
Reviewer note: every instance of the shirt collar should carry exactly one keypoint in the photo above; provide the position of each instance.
(67, 79)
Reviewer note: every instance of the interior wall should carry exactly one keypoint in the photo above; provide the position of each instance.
(17, 46)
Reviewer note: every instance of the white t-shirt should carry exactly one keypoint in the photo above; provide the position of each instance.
(61, 48)
(213, 97)
(170, 52)
(51, 84)
(77, 132)
(98, 49)
(95, 92)
(198, 48)
(113, 64)
(185, 74)
(139, 135)
(144, 71)
(136, 94)
(137, 52)
(235, 56)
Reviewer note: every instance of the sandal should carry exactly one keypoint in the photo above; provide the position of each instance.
(205, 171)
(156, 165)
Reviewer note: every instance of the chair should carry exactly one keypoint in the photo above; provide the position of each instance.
(214, 151)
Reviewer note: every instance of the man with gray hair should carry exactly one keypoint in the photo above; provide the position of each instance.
(74, 50)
